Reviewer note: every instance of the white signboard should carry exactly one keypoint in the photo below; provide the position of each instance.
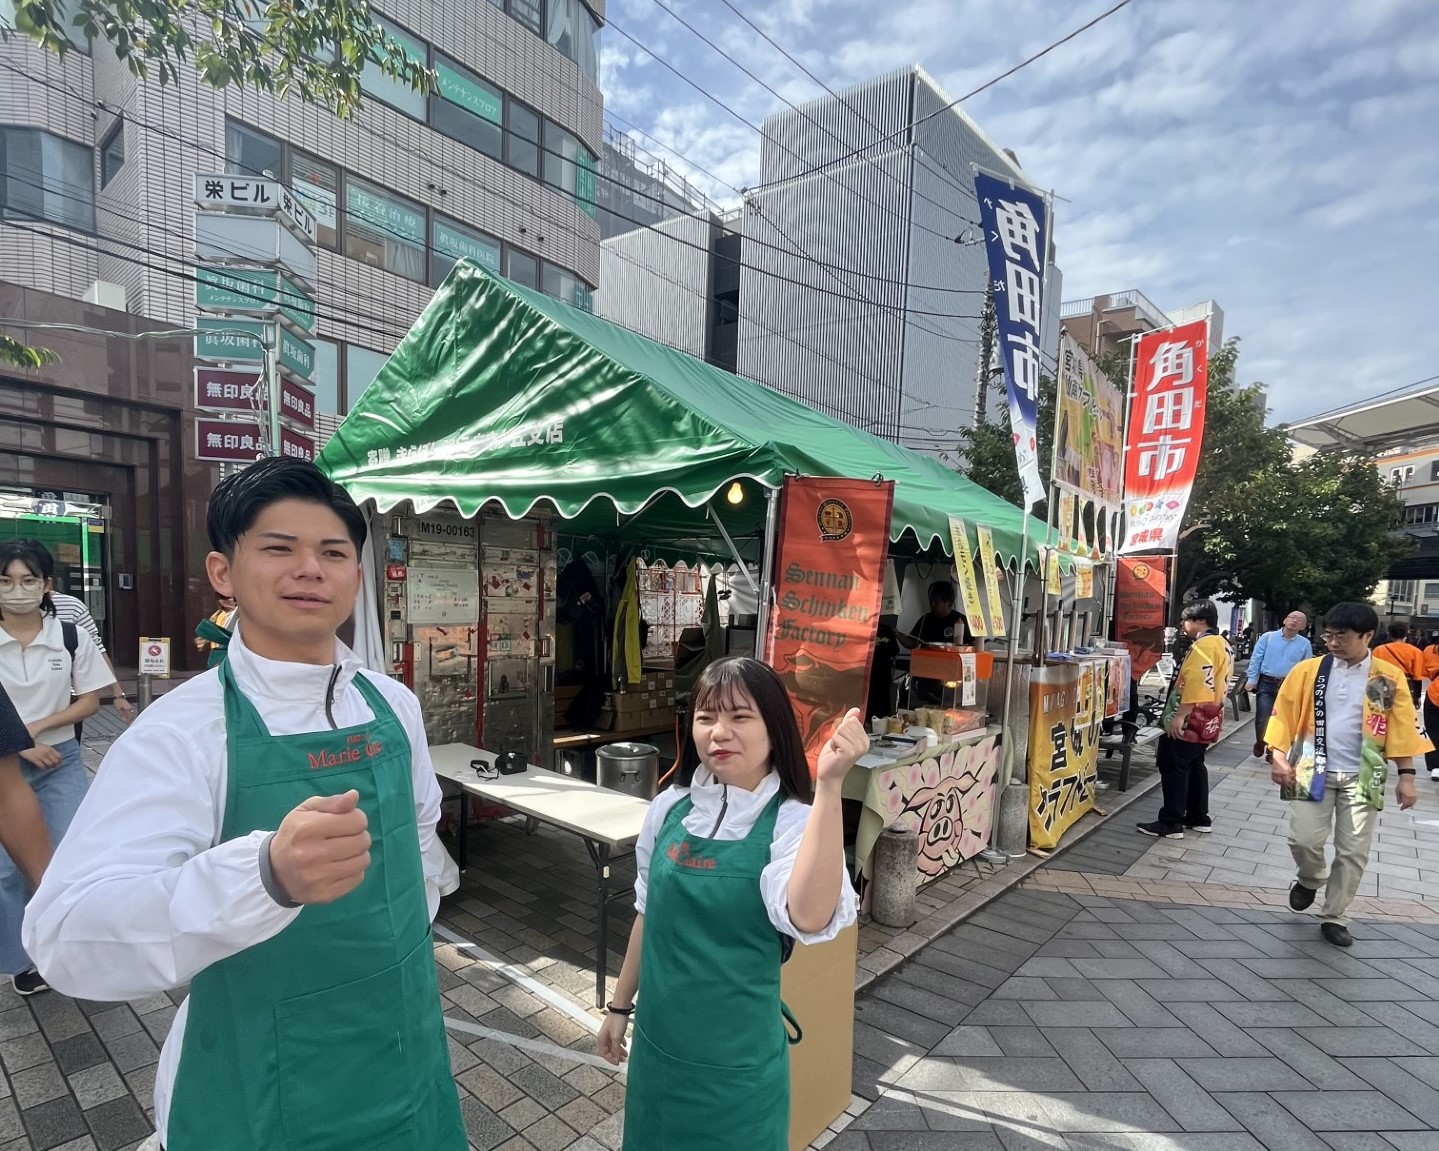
(255, 194)
(440, 596)
(227, 238)
(155, 656)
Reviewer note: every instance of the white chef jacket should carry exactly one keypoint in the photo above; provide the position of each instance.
(140, 897)
(743, 808)
(40, 678)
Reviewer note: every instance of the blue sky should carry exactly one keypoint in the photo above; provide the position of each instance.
(1279, 156)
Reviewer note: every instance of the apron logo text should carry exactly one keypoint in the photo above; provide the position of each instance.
(324, 759)
(679, 853)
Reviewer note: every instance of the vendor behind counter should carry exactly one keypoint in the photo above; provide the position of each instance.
(941, 624)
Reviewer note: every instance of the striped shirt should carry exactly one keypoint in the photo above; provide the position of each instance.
(68, 609)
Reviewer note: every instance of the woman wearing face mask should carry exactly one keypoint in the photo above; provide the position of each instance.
(744, 854)
(40, 675)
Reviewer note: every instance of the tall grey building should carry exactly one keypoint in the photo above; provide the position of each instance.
(863, 272)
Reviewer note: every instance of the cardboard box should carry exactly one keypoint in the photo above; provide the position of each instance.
(606, 719)
(817, 984)
(627, 703)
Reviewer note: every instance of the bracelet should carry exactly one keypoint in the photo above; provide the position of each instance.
(1406, 771)
(614, 1009)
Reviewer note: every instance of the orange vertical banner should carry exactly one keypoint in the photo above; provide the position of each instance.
(829, 581)
(1140, 591)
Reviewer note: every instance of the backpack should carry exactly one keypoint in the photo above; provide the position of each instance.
(71, 634)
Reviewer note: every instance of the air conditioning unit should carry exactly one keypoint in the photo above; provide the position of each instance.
(106, 294)
(1423, 609)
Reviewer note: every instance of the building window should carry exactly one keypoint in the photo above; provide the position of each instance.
(452, 241)
(317, 184)
(468, 110)
(384, 230)
(397, 93)
(562, 285)
(1401, 591)
(1431, 592)
(571, 31)
(1401, 476)
(46, 177)
(327, 376)
(523, 269)
(1434, 472)
(569, 167)
(530, 13)
(522, 144)
(112, 153)
(252, 153)
(361, 368)
(1421, 514)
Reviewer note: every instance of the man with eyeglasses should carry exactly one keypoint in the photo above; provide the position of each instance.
(1339, 719)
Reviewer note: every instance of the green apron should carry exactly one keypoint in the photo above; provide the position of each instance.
(709, 1057)
(329, 1036)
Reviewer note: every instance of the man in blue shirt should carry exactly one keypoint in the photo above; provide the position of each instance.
(1274, 655)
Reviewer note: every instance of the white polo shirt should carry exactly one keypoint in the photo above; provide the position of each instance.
(40, 680)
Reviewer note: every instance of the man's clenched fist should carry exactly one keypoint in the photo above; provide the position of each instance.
(322, 849)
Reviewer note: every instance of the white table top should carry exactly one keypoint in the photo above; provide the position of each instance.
(878, 757)
(597, 813)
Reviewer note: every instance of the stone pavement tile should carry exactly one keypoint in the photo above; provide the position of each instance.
(11, 1126)
(892, 1111)
(1419, 1098)
(1356, 1141)
(927, 983)
(1239, 974)
(129, 1052)
(1411, 1140)
(96, 1085)
(1168, 957)
(1040, 967)
(1116, 949)
(1184, 1141)
(1118, 969)
(1358, 991)
(968, 1040)
(1270, 1014)
(53, 1123)
(1020, 1041)
(1103, 1014)
(989, 1073)
(1359, 1041)
(896, 1020)
(1138, 1005)
(117, 1123)
(1271, 1124)
(979, 1110)
(17, 1021)
(1246, 1074)
(1226, 1039)
(24, 1051)
(489, 1087)
(60, 1018)
(1105, 1111)
(545, 1088)
(1337, 1012)
(983, 946)
(549, 1134)
(583, 1114)
(520, 1143)
(994, 926)
(79, 1052)
(1032, 1139)
(1348, 1111)
(1172, 991)
(36, 1085)
(1401, 1017)
(960, 966)
(485, 1129)
(935, 1141)
(1021, 988)
(1265, 939)
(1068, 949)
(1095, 1065)
(1153, 1042)
(1000, 1013)
(1180, 1095)
(1086, 931)
(849, 1141)
(115, 1022)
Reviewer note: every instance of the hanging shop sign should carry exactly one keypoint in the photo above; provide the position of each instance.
(295, 446)
(1015, 239)
(228, 441)
(297, 403)
(256, 195)
(988, 562)
(1140, 589)
(1088, 430)
(221, 390)
(968, 581)
(1166, 431)
(829, 583)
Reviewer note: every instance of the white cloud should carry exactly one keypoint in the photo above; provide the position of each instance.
(1277, 158)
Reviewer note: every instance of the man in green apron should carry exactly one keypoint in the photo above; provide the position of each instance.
(266, 834)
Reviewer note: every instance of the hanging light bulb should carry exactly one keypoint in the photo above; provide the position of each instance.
(735, 495)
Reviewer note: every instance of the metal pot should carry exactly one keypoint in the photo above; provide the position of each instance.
(633, 768)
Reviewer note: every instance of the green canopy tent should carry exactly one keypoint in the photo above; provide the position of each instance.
(499, 393)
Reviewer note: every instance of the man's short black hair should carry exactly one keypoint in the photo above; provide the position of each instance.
(942, 589)
(1201, 609)
(1397, 630)
(1360, 618)
(238, 500)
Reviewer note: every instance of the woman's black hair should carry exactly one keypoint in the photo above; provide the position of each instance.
(238, 500)
(718, 688)
(35, 556)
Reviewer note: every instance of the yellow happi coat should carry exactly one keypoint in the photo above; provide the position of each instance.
(1391, 729)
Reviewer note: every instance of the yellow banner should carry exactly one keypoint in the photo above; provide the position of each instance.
(1063, 748)
(991, 580)
(968, 585)
(1083, 580)
(1066, 522)
(1053, 580)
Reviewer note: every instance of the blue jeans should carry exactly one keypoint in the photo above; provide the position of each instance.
(1266, 691)
(59, 791)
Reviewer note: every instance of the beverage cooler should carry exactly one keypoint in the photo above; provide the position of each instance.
(469, 622)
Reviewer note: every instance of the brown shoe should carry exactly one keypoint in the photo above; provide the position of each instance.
(1259, 748)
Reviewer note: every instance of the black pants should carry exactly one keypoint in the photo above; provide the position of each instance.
(1431, 727)
(1184, 779)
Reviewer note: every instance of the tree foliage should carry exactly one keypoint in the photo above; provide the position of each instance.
(313, 49)
(1259, 525)
(16, 354)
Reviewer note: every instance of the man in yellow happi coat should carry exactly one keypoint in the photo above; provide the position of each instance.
(1338, 721)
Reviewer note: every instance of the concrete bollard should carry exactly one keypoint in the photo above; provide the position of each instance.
(1011, 833)
(896, 853)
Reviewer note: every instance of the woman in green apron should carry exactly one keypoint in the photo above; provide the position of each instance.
(744, 854)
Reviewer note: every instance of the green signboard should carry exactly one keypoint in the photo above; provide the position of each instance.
(297, 355)
(585, 184)
(235, 341)
(463, 245)
(235, 289)
(483, 101)
(392, 219)
(296, 305)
